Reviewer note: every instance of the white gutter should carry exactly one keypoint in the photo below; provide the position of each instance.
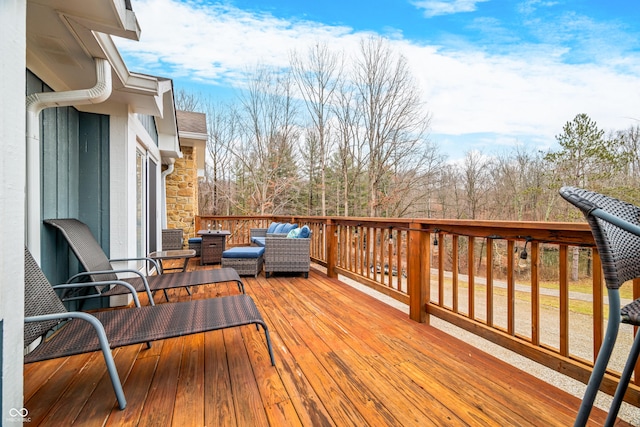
(35, 104)
(163, 183)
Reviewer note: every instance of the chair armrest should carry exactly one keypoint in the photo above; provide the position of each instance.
(258, 232)
(102, 339)
(136, 272)
(280, 235)
(151, 260)
(279, 244)
(618, 222)
(93, 284)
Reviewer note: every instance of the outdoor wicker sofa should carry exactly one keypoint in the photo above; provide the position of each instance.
(283, 254)
(99, 268)
(80, 332)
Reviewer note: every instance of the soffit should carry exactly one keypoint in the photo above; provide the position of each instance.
(64, 37)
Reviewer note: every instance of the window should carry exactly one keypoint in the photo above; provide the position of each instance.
(141, 203)
(146, 203)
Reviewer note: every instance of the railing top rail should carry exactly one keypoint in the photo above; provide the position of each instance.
(571, 233)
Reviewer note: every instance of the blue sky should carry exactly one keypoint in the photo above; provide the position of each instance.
(493, 73)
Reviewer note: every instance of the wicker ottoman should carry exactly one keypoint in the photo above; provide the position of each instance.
(195, 243)
(246, 260)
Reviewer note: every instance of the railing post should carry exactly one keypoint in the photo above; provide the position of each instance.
(196, 225)
(417, 264)
(331, 241)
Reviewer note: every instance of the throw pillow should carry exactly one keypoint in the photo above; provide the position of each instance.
(272, 227)
(294, 234)
(304, 232)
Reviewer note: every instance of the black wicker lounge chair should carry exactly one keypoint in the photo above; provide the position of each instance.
(81, 332)
(615, 226)
(98, 267)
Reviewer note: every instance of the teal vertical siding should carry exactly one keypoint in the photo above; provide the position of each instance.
(75, 179)
(93, 167)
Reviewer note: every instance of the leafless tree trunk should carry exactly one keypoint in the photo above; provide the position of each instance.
(267, 137)
(223, 130)
(317, 78)
(348, 143)
(393, 116)
(476, 182)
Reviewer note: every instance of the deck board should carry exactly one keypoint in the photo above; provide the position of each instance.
(342, 358)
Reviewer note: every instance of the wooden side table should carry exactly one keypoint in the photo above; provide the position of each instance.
(213, 244)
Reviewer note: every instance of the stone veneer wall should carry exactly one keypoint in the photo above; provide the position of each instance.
(182, 194)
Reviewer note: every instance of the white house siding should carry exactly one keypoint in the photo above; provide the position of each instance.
(12, 196)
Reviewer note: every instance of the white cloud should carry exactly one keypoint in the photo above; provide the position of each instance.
(446, 7)
(526, 95)
(215, 42)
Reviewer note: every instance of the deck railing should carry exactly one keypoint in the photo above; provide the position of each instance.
(535, 288)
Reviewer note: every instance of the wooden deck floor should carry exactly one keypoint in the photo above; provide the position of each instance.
(342, 358)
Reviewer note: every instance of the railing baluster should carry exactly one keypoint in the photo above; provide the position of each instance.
(564, 299)
(489, 279)
(454, 270)
(471, 274)
(441, 246)
(511, 285)
(535, 293)
(598, 304)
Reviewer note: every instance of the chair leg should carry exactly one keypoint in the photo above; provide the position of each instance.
(602, 360)
(241, 285)
(624, 381)
(266, 334)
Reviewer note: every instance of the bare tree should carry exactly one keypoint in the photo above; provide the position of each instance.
(630, 148)
(476, 181)
(393, 117)
(349, 146)
(317, 78)
(268, 135)
(187, 101)
(519, 183)
(216, 191)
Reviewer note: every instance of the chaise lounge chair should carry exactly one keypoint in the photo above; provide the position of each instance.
(98, 267)
(615, 226)
(84, 332)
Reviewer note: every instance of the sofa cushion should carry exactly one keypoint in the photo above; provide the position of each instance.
(305, 232)
(288, 227)
(272, 227)
(279, 228)
(243, 252)
(258, 241)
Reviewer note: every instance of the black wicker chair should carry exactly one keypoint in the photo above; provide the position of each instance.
(98, 267)
(172, 239)
(80, 332)
(616, 230)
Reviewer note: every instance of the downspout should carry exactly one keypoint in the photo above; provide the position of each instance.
(35, 104)
(163, 183)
